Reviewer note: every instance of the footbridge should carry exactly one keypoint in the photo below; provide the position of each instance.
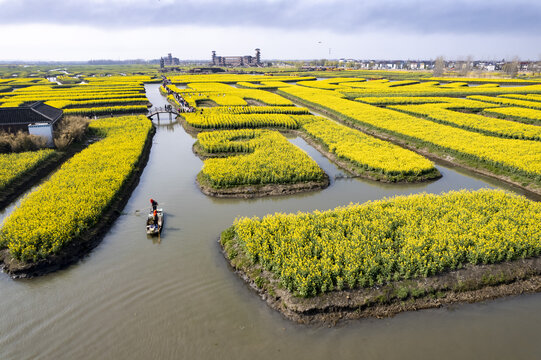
(167, 109)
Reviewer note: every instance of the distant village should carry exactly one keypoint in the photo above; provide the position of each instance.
(427, 64)
(217, 63)
(248, 61)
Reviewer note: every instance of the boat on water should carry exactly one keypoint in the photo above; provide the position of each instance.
(154, 226)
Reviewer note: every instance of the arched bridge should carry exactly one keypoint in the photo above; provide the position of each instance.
(167, 109)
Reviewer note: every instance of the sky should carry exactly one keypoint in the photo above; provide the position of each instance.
(77, 30)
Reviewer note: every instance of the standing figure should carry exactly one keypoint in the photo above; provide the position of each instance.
(154, 204)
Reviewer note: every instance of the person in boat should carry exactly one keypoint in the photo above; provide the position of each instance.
(155, 217)
(154, 204)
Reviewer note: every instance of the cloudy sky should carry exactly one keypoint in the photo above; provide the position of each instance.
(283, 29)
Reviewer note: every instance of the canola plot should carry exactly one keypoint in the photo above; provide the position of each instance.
(209, 120)
(92, 111)
(232, 78)
(529, 116)
(226, 95)
(507, 101)
(371, 157)
(392, 239)
(15, 165)
(527, 97)
(70, 104)
(75, 197)
(447, 102)
(383, 88)
(98, 96)
(264, 157)
(386, 160)
(291, 110)
(512, 155)
(474, 122)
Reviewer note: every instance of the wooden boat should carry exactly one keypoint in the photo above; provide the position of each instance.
(155, 227)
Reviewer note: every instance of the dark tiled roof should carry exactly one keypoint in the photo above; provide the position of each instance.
(24, 115)
(51, 113)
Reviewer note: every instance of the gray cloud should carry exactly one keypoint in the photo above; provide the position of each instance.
(421, 16)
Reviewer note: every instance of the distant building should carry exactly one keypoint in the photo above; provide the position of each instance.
(237, 61)
(37, 119)
(169, 60)
(205, 70)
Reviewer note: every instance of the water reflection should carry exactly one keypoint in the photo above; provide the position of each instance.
(167, 124)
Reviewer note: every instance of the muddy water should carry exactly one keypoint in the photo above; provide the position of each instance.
(175, 297)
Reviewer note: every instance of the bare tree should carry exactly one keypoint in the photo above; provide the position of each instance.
(537, 67)
(465, 66)
(439, 66)
(531, 67)
(511, 68)
(459, 63)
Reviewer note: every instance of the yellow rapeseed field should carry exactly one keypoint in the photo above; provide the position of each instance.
(529, 116)
(513, 155)
(475, 122)
(75, 197)
(269, 159)
(212, 120)
(15, 164)
(366, 151)
(400, 238)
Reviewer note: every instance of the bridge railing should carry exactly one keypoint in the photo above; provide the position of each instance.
(156, 110)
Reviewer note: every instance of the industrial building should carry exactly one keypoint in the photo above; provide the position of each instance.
(238, 61)
(169, 60)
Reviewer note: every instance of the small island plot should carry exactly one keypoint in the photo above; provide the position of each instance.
(386, 256)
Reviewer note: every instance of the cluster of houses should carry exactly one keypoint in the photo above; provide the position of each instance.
(484, 65)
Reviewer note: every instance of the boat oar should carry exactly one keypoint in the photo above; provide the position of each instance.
(137, 211)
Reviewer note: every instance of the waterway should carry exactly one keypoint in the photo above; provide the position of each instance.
(175, 297)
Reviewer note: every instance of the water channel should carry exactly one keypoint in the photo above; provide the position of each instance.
(176, 298)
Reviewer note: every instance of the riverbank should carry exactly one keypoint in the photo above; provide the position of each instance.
(85, 242)
(262, 190)
(473, 283)
(431, 152)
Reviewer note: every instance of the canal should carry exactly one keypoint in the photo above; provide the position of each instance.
(176, 298)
